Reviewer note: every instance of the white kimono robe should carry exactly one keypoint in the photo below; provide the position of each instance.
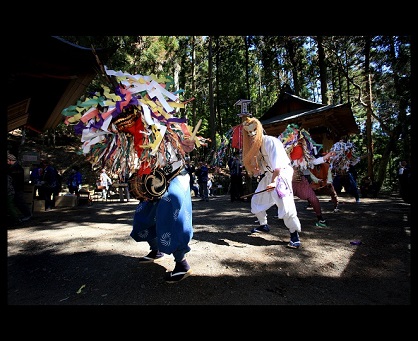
(273, 157)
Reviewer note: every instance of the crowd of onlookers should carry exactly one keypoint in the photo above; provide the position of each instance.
(46, 182)
(43, 182)
(206, 181)
(17, 208)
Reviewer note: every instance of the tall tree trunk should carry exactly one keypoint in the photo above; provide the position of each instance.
(247, 68)
(322, 71)
(393, 132)
(290, 47)
(369, 109)
(194, 104)
(211, 101)
(218, 105)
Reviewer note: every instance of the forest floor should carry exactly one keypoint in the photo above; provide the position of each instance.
(85, 256)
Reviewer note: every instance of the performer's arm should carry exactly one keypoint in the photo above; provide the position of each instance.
(272, 185)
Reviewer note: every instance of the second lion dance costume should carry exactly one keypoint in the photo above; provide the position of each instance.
(301, 149)
(132, 132)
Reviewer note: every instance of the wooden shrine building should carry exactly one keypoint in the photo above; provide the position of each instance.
(327, 124)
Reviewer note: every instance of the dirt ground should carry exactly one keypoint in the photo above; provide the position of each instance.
(84, 256)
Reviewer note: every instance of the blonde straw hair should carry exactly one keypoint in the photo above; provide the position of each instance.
(251, 146)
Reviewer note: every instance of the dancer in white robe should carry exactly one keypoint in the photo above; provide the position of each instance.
(265, 156)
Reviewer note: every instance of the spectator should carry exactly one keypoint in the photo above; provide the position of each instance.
(202, 173)
(190, 168)
(50, 184)
(403, 165)
(404, 181)
(74, 181)
(210, 185)
(13, 213)
(235, 171)
(105, 182)
(367, 188)
(36, 176)
(16, 172)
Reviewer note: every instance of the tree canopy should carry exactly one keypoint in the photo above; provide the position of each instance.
(371, 73)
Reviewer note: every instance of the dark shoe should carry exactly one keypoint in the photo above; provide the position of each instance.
(180, 272)
(293, 245)
(321, 223)
(294, 241)
(261, 228)
(151, 257)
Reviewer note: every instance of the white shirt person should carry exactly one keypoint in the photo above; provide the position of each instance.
(105, 182)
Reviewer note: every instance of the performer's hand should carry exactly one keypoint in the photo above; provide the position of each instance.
(271, 186)
(188, 145)
(329, 155)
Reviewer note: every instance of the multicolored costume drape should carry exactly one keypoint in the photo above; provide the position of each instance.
(131, 128)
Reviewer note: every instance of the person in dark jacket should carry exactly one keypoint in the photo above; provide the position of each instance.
(235, 171)
(202, 173)
(50, 184)
(35, 177)
(74, 181)
(17, 174)
(404, 181)
(190, 168)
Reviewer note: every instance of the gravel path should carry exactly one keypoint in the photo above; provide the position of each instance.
(84, 256)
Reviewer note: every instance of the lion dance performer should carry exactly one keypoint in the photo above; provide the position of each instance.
(264, 156)
(132, 132)
(342, 166)
(301, 150)
(321, 176)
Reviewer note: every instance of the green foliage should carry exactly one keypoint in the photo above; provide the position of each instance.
(259, 67)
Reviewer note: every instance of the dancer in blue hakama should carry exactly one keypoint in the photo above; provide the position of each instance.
(166, 224)
(132, 130)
